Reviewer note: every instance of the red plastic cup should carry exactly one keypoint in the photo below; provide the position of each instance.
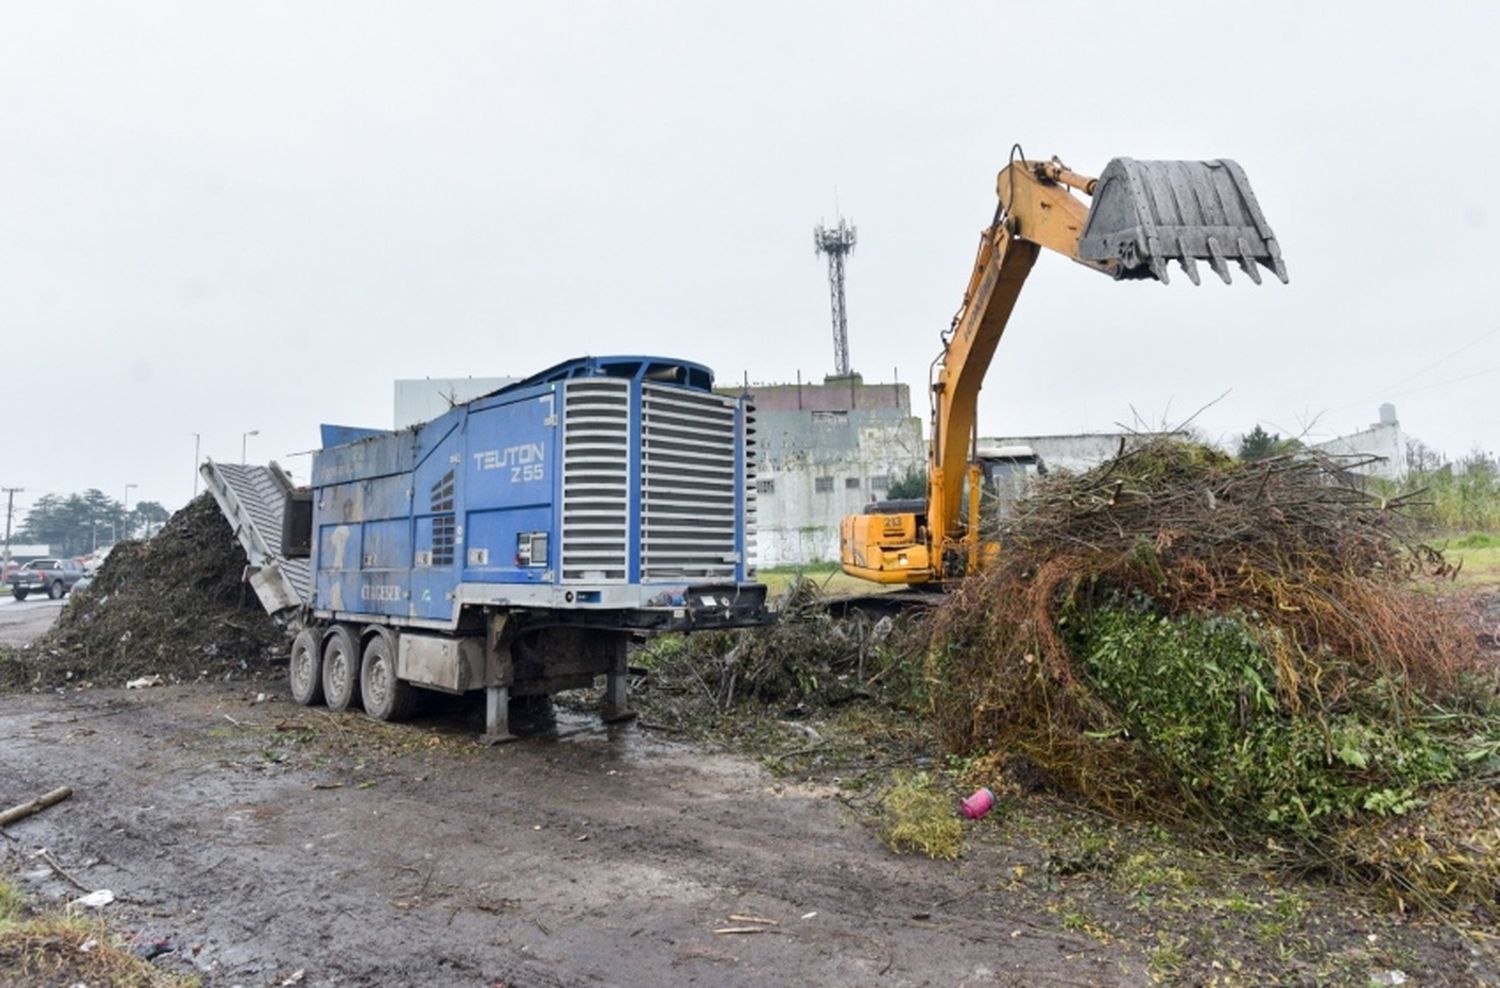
(978, 804)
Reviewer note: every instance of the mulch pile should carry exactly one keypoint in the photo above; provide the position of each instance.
(174, 605)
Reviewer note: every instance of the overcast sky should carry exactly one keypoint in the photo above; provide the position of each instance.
(223, 217)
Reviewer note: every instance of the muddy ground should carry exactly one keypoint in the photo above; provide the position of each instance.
(261, 839)
(596, 859)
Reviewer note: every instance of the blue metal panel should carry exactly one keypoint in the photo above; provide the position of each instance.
(339, 435)
(509, 474)
(376, 456)
(436, 515)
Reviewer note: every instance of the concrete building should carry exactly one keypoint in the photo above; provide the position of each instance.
(825, 451)
(1382, 439)
(425, 398)
(1081, 451)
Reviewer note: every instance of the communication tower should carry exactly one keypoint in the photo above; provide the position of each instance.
(837, 242)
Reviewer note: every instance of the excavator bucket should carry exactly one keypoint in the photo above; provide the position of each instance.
(1147, 213)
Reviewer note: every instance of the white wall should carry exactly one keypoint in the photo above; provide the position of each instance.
(797, 524)
(1382, 439)
(1076, 453)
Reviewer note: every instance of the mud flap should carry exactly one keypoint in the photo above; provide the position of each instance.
(1147, 213)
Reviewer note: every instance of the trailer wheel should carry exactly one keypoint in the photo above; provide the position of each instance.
(340, 670)
(385, 696)
(305, 670)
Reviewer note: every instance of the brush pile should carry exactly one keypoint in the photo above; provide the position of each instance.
(174, 605)
(1238, 647)
(808, 657)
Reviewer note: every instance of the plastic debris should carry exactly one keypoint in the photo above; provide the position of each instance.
(980, 803)
(95, 900)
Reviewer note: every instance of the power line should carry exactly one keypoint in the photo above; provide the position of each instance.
(1385, 391)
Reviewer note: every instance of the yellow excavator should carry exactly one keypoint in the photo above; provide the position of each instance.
(1142, 215)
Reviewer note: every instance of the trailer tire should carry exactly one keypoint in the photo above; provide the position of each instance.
(385, 697)
(340, 669)
(305, 669)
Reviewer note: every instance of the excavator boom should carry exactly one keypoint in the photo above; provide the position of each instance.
(1143, 215)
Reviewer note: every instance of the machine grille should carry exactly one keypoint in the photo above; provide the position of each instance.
(752, 488)
(689, 484)
(596, 480)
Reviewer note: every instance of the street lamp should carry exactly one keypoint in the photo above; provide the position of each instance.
(244, 438)
(197, 445)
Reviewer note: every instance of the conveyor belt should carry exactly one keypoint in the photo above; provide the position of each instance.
(253, 499)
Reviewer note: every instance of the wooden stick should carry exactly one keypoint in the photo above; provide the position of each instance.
(63, 872)
(25, 810)
(740, 929)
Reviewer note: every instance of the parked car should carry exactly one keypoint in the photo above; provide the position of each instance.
(54, 577)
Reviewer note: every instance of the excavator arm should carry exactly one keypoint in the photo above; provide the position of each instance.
(1143, 214)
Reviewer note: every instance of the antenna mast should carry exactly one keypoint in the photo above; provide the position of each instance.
(837, 243)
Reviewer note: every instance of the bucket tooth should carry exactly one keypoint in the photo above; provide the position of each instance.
(1247, 261)
(1216, 260)
(1159, 270)
(1191, 267)
(1277, 264)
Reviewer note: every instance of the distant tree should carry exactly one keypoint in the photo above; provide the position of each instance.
(1258, 444)
(74, 525)
(912, 485)
(146, 518)
(1422, 459)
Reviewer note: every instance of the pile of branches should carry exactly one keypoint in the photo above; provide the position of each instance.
(808, 657)
(1194, 639)
(175, 605)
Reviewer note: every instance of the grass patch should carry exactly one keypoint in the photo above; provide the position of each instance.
(12, 903)
(1476, 540)
(54, 948)
(1479, 563)
(828, 576)
(917, 817)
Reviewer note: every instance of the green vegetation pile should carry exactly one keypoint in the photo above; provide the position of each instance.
(1239, 648)
(174, 605)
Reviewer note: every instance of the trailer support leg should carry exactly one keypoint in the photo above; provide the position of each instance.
(497, 712)
(617, 686)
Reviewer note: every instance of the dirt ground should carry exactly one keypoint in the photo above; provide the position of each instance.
(596, 859)
(261, 839)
